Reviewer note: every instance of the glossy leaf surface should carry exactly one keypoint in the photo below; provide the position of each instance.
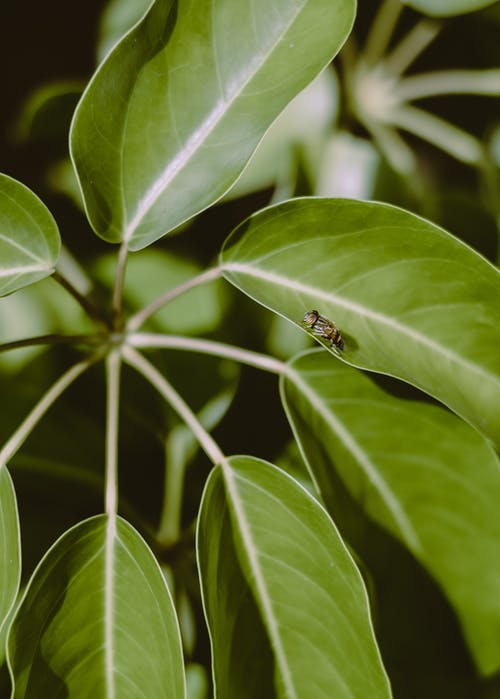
(444, 8)
(287, 559)
(29, 238)
(419, 471)
(175, 111)
(97, 620)
(411, 300)
(10, 554)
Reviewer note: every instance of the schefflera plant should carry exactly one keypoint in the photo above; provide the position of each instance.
(164, 128)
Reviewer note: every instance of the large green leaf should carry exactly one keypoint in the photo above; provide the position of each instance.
(175, 111)
(29, 238)
(10, 553)
(283, 554)
(97, 620)
(411, 300)
(242, 659)
(416, 469)
(442, 8)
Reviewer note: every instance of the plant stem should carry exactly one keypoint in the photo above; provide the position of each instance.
(448, 137)
(121, 267)
(175, 468)
(219, 349)
(411, 46)
(399, 156)
(141, 316)
(207, 443)
(47, 400)
(92, 311)
(381, 30)
(450, 82)
(52, 340)
(113, 366)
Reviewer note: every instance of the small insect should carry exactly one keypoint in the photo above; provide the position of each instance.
(324, 328)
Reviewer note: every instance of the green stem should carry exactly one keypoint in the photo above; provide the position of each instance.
(121, 267)
(450, 82)
(47, 400)
(113, 366)
(92, 311)
(141, 316)
(219, 349)
(399, 156)
(175, 467)
(207, 443)
(411, 46)
(448, 137)
(52, 340)
(381, 30)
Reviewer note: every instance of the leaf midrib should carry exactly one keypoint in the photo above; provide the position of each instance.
(363, 311)
(362, 459)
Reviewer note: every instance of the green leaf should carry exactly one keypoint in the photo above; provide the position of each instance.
(10, 553)
(29, 238)
(445, 8)
(118, 17)
(97, 620)
(411, 300)
(419, 471)
(242, 659)
(262, 536)
(175, 111)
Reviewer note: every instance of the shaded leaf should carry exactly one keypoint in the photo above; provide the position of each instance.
(175, 111)
(242, 660)
(10, 553)
(309, 593)
(411, 300)
(97, 620)
(419, 471)
(29, 238)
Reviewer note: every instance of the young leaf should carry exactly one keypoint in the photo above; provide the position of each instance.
(10, 553)
(175, 111)
(411, 300)
(285, 556)
(442, 8)
(419, 471)
(29, 237)
(97, 620)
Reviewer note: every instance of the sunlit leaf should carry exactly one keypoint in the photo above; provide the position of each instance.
(97, 620)
(410, 299)
(447, 7)
(10, 553)
(176, 109)
(416, 469)
(29, 238)
(264, 541)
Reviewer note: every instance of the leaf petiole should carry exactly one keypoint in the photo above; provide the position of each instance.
(43, 405)
(219, 349)
(141, 316)
(156, 379)
(113, 367)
